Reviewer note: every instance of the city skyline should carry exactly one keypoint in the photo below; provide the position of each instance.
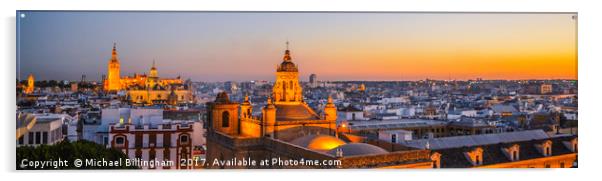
(220, 46)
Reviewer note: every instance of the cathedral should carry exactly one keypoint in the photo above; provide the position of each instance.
(30, 84)
(146, 89)
(289, 129)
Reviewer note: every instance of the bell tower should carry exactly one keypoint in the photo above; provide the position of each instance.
(30, 84)
(246, 108)
(330, 110)
(223, 115)
(113, 78)
(287, 89)
(153, 77)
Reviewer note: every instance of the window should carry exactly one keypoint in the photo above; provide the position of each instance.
(120, 140)
(166, 140)
(393, 138)
(352, 116)
(138, 141)
(38, 138)
(225, 119)
(30, 138)
(152, 139)
(44, 137)
(184, 139)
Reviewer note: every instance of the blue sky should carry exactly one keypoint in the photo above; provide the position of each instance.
(220, 46)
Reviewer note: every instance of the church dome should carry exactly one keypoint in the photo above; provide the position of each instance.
(287, 64)
(318, 142)
(287, 67)
(353, 149)
(222, 97)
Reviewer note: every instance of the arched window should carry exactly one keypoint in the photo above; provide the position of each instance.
(225, 119)
(184, 139)
(120, 140)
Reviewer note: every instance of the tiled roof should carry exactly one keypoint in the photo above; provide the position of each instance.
(493, 154)
(474, 140)
(295, 112)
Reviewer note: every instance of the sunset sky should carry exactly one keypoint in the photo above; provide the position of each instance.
(220, 46)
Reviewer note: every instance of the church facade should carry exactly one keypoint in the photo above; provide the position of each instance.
(288, 129)
(146, 89)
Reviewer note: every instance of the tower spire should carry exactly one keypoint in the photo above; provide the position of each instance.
(114, 53)
(287, 54)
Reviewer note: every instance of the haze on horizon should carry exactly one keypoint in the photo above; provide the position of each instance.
(222, 46)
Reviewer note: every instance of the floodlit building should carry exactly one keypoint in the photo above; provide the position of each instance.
(146, 89)
(290, 130)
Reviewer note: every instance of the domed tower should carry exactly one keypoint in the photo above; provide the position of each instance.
(287, 89)
(223, 115)
(269, 118)
(153, 71)
(153, 76)
(246, 108)
(30, 84)
(113, 78)
(330, 110)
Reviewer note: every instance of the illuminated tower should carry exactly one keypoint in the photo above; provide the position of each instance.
(246, 108)
(223, 115)
(269, 118)
(286, 89)
(153, 76)
(113, 78)
(30, 84)
(153, 71)
(330, 110)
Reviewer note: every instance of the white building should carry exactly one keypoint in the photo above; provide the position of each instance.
(395, 136)
(170, 141)
(143, 134)
(41, 129)
(351, 113)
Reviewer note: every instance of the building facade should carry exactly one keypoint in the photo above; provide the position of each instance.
(146, 89)
(289, 129)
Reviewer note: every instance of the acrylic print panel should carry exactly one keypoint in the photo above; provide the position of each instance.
(289, 90)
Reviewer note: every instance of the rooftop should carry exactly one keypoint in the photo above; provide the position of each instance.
(474, 140)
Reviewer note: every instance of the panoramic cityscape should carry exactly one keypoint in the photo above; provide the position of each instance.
(199, 90)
